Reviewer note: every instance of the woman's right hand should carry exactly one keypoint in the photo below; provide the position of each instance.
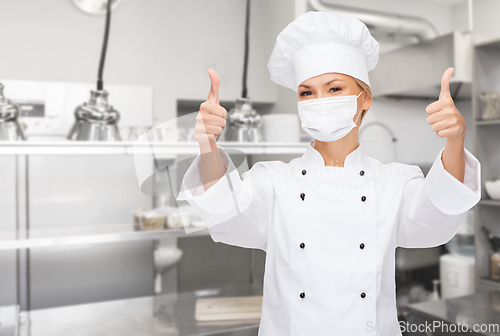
(210, 118)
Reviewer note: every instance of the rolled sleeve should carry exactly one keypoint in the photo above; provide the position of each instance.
(235, 210)
(216, 204)
(448, 194)
(433, 207)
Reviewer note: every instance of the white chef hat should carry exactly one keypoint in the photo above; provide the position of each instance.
(318, 42)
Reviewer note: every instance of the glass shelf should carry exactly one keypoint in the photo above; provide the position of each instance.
(22, 239)
(131, 147)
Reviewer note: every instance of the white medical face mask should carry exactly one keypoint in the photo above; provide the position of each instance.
(329, 119)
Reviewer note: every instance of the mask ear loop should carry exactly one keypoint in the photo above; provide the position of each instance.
(360, 112)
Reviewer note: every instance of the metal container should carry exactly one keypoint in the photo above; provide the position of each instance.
(95, 120)
(243, 123)
(10, 130)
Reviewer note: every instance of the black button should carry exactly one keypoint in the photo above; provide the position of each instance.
(302, 245)
(363, 295)
(363, 198)
(302, 295)
(362, 173)
(302, 196)
(361, 246)
(304, 172)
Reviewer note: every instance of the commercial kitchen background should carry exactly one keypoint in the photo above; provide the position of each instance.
(168, 46)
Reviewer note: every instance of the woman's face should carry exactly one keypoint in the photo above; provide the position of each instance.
(331, 85)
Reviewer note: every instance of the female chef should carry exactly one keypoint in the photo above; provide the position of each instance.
(331, 219)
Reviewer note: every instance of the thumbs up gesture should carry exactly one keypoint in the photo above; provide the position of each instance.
(444, 117)
(211, 117)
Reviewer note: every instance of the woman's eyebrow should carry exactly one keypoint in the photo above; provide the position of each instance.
(330, 82)
(333, 80)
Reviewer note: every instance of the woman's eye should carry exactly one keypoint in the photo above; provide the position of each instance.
(334, 88)
(304, 93)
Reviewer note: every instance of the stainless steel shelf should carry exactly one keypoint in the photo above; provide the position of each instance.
(488, 122)
(131, 147)
(485, 67)
(489, 279)
(486, 42)
(85, 235)
(490, 202)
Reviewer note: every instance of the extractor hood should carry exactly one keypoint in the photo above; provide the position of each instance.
(415, 70)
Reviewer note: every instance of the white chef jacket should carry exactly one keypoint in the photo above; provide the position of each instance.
(330, 233)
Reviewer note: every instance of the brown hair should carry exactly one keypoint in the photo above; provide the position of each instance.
(368, 91)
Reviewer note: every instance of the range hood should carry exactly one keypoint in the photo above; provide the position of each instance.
(415, 70)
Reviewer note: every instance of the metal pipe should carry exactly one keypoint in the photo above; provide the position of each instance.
(470, 12)
(383, 125)
(390, 23)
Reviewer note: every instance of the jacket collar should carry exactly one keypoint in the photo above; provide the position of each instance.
(312, 157)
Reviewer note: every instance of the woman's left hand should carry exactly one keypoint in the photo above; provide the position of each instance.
(444, 117)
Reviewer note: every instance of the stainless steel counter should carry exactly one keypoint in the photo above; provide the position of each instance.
(165, 315)
(481, 309)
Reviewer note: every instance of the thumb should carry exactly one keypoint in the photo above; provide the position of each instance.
(445, 83)
(213, 95)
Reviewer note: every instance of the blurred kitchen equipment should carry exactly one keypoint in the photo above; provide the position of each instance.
(393, 24)
(494, 241)
(417, 293)
(157, 134)
(385, 139)
(463, 242)
(10, 130)
(493, 189)
(404, 72)
(146, 219)
(413, 258)
(435, 294)
(164, 258)
(243, 123)
(281, 128)
(9, 320)
(189, 134)
(164, 216)
(495, 265)
(495, 254)
(171, 133)
(95, 7)
(392, 76)
(125, 132)
(47, 107)
(457, 268)
(457, 274)
(133, 133)
(228, 308)
(490, 102)
(181, 216)
(97, 120)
